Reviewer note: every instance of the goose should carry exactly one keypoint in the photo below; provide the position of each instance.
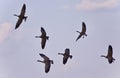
(47, 62)
(66, 55)
(43, 37)
(109, 55)
(21, 16)
(83, 32)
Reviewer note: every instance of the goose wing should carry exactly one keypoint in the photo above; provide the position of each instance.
(47, 66)
(18, 23)
(21, 16)
(43, 42)
(79, 37)
(44, 56)
(65, 58)
(110, 51)
(83, 27)
(43, 31)
(23, 10)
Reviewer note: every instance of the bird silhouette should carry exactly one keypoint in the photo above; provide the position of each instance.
(83, 32)
(66, 55)
(43, 37)
(109, 55)
(21, 16)
(47, 62)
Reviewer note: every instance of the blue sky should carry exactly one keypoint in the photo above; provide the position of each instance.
(19, 49)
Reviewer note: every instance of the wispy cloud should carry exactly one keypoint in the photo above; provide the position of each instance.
(4, 31)
(96, 4)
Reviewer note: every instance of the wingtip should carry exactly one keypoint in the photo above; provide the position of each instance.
(40, 54)
(46, 71)
(67, 49)
(43, 47)
(24, 4)
(110, 45)
(83, 22)
(42, 28)
(76, 40)
(16, 28)
(64, 63)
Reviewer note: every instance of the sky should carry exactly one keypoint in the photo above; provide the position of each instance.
(19, 49)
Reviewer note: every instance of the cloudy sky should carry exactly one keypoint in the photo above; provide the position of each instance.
(19, 49)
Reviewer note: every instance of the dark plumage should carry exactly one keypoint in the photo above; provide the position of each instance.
(21, 16)
(43, 37)
(47, 62)
(83, 32)
(66, 55)
(109, 55)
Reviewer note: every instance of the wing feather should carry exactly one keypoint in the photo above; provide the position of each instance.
(110, 51)
(43, 42)
(79, 37)
(21, 16)
(65, 59)
(43, 31)
(23, 10)
(18, 23)
(47, 66)
(83, 27)
(44, 56)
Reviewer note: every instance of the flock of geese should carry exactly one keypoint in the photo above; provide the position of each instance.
(44, 38)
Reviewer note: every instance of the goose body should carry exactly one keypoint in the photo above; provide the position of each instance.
(46, 61)
(83, 32)
(43, 37)
(66, 55)
(21, 16)
(109, 55)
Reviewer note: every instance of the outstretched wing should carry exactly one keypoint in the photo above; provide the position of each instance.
(18, 23)
(43, 42)
(47, 66)
(23, 10)
(21, 16)
(43, 31)
(44, 56)
(83, 27)
(110, 51)
(79, 37)
(65, 58)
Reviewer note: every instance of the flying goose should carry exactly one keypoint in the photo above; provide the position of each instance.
(66, 55)
(83, 32)
(21, 16)
(47, 62)
(109, 55)
(43, 37)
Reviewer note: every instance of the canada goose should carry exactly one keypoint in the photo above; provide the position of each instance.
(66, 55)
(109, 55)
(43, 37)
(83, 32)
(21, 16)
(47, 62)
